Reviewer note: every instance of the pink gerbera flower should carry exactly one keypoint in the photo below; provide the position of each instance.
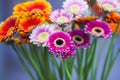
(76, 7)
(60, 16)
(80, 38)
(41, 34)
(109, 5)
(99, 29)
(61, 43)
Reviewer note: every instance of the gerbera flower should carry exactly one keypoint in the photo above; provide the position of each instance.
(114, 17)
(33, 6)
(113, 27)
(76, 7)
(41, 8)
(27, 23)
(109, 5)
(85, 20)
(41, 34)
(61, 43)
(8, 28)
(98, 28)
(80, 38)
(60, 16)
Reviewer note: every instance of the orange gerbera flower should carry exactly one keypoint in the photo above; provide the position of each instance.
(113, 27)
(27, 23)
(38, 6)
(8, 28)
(85, 20)
(114, 17)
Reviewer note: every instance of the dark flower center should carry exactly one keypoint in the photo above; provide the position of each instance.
(78, 39)
(98, 30)
(59, 42)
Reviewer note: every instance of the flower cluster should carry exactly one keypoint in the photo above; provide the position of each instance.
(26, 16)
(63, 30)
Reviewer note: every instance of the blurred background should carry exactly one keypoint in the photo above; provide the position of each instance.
(10, 66)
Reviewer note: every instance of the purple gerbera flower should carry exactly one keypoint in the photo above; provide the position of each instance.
(80, 38)
(61, 42)
(99, 29)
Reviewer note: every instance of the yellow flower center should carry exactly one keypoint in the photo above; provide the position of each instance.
(74, 8)
(43, 37)
(108, 7)
(97, 31)
(62, 19)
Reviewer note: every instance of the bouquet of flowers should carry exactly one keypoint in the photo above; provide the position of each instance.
(66, 43)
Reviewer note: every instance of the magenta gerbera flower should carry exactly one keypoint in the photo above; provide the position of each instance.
(70, 53)
(61, 43)
(80, 38)
(60, 16)
(99, 29)
(41, 34)
(76, 7)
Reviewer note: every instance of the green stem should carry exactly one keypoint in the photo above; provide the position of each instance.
(23, 63)
(33, 63)
(61, 69)
(47, 65)
(93, 60)
(109, 52)
(99, 57)
(111, 64)
(81, 62)
(33, 52)
(89, 59)
(67, 71)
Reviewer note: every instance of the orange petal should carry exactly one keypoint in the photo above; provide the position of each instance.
(40, 5)
(8, 28)
(85, 20)
(27, 23)
(31, 6)
(19, 7)
(114, 17)
(113, 27)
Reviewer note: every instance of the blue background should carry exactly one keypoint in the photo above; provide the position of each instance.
(10, 67)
